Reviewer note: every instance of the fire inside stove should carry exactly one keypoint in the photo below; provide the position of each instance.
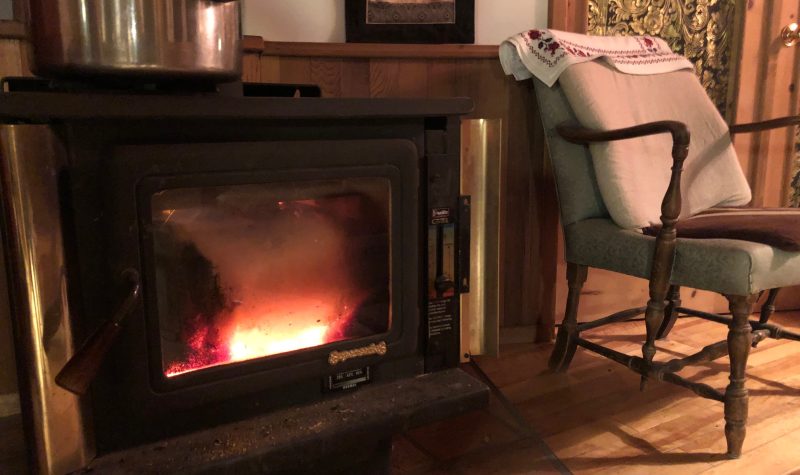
(251, 271)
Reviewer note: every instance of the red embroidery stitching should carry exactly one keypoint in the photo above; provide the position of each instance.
(540, 43)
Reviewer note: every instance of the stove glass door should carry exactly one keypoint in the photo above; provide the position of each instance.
(249, 271)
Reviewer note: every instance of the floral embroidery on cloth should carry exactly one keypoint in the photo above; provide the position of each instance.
(545, 54)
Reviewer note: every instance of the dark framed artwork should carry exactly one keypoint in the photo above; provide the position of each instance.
(410, 21)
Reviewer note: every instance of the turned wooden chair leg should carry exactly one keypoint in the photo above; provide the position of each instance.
(566, 341)
(670, 313)
(653, 319)
(769, 306)
(740, 338)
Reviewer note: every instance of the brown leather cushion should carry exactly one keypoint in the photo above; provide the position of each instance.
(777, 227)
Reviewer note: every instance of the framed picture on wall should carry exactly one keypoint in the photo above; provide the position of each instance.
(410, 21)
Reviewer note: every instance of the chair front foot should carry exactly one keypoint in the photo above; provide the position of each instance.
(671, 312)
(740, 340)
(567, 339)
(653, 317)
(735, 421)
(564, 350)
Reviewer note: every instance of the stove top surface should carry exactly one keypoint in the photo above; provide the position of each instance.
(185, 88)
(35, 100)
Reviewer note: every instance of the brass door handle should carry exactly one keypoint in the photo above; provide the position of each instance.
(790, 34)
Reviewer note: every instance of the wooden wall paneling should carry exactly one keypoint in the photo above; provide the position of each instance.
(252, 47)
(767, 89)
(327, 74)
(251, 68)
(568, 15)
(551, 245)
(383, 77)
(767, 75)
(521, 142)
(355, 77)
(442, 78)
(295, 71)
(520, 257)
(747, 145)
(776, 67)
(398, 78)
(270, 69)
(412, 80)
(426, 52)
(13, 58)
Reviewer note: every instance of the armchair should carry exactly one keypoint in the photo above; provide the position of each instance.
(736, 268)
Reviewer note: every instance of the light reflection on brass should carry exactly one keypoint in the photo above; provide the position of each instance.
(31, 161)
(705, 31)
(373, 349)
(481, 165)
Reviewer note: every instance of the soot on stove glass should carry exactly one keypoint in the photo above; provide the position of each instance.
(255, 270)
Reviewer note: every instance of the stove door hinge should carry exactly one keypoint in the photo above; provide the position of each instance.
(464, 242)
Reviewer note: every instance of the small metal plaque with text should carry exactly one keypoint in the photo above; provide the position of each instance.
(348, 379)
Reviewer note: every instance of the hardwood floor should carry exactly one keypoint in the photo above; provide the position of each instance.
(596, 420)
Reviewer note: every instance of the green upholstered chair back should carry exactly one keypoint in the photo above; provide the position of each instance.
(578, 193)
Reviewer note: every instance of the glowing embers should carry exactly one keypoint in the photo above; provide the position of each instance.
(291, 325)
(250, 271)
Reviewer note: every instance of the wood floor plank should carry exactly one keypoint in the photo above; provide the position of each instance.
(598, 422)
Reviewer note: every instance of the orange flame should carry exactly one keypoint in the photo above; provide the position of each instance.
(250, 333)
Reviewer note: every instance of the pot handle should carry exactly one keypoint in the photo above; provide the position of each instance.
(81, 369)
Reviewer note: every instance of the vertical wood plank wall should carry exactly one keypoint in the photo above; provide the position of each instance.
(352, 70)
(768, 89)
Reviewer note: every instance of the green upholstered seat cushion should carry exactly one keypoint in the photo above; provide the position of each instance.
(726, 266)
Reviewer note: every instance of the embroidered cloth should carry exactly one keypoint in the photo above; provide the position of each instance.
(545, 54)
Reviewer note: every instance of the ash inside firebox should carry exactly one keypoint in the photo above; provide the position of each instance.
(250, 271)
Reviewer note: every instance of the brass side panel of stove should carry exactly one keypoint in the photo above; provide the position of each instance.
(32, 158)
(481, 178)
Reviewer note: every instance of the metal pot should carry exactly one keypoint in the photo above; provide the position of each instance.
(137, 38)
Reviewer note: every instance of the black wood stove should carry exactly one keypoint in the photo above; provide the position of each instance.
(239, 255)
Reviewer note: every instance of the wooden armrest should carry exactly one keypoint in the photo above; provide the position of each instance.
(671, 206)
(765, 125)
(578, 134)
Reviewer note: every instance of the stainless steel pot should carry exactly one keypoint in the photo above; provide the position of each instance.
(137, 38)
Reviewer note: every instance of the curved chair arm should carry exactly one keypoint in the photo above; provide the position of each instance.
(578, 134)
(671, 205)
(765, 125)
(664, 255)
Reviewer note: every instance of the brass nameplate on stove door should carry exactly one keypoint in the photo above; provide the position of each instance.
(336, 357)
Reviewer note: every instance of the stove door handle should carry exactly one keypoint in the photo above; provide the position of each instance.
(82, 368)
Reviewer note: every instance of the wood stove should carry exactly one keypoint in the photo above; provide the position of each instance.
(246, 253)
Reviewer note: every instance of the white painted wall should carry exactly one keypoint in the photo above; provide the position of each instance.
(323, 20)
